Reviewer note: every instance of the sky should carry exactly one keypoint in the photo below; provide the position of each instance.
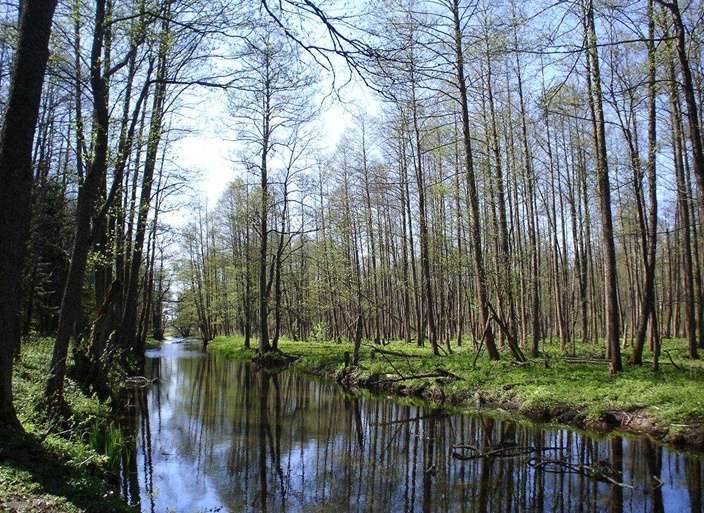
(207, 151)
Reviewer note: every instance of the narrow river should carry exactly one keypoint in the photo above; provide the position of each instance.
(212, 435)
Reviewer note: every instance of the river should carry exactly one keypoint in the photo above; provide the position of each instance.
(213, 435)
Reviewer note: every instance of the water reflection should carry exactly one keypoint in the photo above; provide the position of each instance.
(214, 435)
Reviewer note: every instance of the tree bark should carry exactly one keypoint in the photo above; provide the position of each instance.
(16, 140)
(477, 249)
(604, 189)
(689, 97)
(87, 195)
(647, 310)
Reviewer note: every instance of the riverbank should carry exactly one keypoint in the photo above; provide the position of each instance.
(61, 472)
(668, 406)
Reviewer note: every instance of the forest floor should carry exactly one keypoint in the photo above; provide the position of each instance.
(61, 471)
(668, 406)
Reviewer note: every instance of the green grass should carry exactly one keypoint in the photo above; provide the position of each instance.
(671, 399)
(61, 472)
(152, 343)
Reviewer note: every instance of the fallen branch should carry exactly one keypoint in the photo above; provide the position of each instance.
(512, 344)
(139, 381)
(395, 353)
(574, 359)
(481, 343)
(511, 451)
(667, 352)
(602, 471)
(439, 373)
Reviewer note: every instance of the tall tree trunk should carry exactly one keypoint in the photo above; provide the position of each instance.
(477, 249)
(647, 310)
(604, 188)
(684, 218)
(16, 140)
(530, 212)
(128, 325)
(71, 302)
(424, 236)
(264, 345)
(695, 136)
(504, 260)
(247, 284)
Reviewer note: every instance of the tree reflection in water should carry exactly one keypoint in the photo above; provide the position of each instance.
(216, 435)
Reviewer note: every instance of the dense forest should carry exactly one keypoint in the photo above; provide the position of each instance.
(532, 173)
(521, 182)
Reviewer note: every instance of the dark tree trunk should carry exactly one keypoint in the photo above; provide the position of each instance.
(684, 219)
(264, 345)
(480, 275)
(128, 328)
(16, 176)
(87, 195)
(604, 188)
(647, 311)
(689, 98)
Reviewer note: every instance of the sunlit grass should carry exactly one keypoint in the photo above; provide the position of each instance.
(670, 397)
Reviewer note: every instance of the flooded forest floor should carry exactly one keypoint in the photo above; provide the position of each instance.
(668, 406)
(65, 469)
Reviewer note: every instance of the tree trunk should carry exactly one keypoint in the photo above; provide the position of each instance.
(604, 188)
(647, 311)
(71, 303)
(477, 249)
(689, 98)
(685, 222)
(16, 141)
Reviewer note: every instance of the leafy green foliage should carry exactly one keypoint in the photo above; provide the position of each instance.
(68, 469)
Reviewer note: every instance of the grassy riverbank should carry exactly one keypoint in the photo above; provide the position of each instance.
(59, 472)
(669, 405)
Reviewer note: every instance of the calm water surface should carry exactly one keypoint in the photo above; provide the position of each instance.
(215, 436)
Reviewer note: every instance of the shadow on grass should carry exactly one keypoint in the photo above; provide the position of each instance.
(34, 468)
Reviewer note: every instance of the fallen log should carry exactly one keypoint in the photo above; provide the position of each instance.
(600, 361)
(394, 353)
(575, 359)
